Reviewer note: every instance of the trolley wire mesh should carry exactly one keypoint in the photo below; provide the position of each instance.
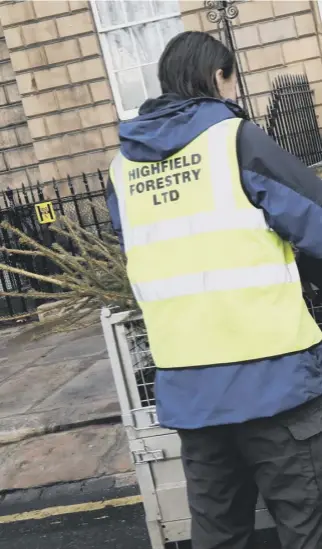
(315, 308)
(142, 361)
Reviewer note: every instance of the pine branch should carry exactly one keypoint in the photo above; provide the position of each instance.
(38, 295)
(29, 274)
(31, 243)
(18, 251)
(95, 276)
(23, 316)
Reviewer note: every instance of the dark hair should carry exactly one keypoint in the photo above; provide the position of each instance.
(189, 63)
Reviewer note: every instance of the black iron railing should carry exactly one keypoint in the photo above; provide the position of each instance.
(25, 208)
(291, 119)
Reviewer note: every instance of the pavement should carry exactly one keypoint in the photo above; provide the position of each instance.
(59, 414)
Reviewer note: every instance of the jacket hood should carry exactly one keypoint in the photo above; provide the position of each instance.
(167, 124)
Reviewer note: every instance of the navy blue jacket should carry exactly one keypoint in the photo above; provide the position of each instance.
(290, 196)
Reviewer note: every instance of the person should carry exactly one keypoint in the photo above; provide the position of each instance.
(208, 209)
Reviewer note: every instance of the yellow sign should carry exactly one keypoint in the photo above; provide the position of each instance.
(45, 212)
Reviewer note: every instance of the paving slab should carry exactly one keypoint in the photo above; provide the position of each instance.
(56, 395)
(23, 426)
(94, 384)
(7, 370)
(57, 404)
(80, 348)
(13, 363)
(38, 395)
(34, 335)
(84, 453)
(10, 332)
(31, 385)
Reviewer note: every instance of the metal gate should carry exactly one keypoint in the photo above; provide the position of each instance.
(18, 207)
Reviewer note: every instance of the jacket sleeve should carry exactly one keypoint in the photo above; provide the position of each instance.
(286, 190)
(113, 207)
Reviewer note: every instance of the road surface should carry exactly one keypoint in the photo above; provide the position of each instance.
(117, 528)
(107, 528)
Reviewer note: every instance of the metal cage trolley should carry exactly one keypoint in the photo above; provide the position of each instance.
(155, 451)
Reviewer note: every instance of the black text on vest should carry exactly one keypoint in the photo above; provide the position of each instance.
(174, 174)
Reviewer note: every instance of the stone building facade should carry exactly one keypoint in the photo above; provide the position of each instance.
(69, 70)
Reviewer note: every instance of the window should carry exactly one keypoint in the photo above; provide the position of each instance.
(320, 7)
(133, 34)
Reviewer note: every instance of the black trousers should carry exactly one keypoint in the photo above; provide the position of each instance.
(226, 466)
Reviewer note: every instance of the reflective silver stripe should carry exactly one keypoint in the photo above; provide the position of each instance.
(196, 224)
(220, 167)
(212, 281)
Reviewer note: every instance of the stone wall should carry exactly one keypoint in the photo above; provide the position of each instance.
(61, 76)
(18, 162)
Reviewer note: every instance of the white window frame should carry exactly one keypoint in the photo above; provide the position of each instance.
(320, 7)
(102, 30)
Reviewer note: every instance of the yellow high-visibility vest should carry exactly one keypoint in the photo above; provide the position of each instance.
(215, 284)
